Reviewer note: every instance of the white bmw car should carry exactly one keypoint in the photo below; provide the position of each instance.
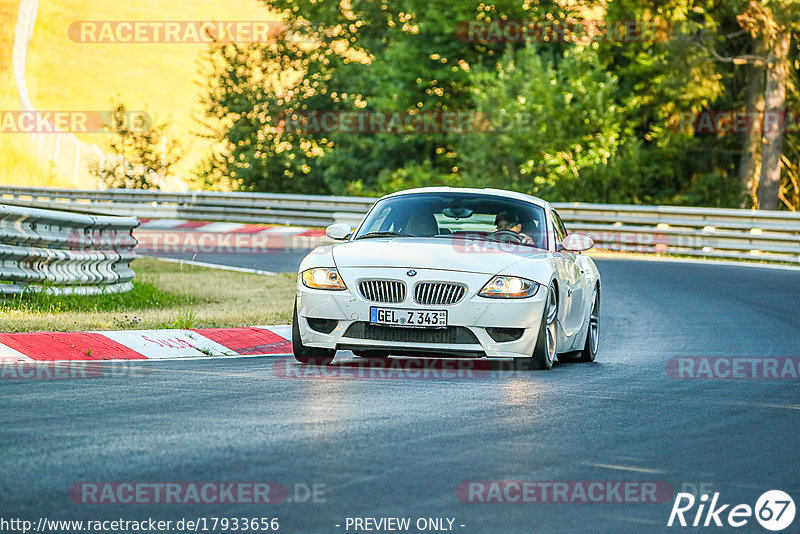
(444, 272)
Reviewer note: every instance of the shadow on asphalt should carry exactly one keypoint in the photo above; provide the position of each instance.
(417, 365)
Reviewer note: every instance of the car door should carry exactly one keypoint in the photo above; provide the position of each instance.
(572, 292)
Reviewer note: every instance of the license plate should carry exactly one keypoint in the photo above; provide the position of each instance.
(404, 317)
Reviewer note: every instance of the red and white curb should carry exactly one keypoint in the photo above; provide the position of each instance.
(145, 344)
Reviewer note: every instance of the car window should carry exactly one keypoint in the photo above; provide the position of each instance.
(457, 215)
(560, 224)
(381, 221)
(476, 223)
(558, 227)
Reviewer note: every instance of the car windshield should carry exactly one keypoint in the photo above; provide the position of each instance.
(457, 215)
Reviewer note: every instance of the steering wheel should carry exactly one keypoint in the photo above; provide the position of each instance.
(507, 235)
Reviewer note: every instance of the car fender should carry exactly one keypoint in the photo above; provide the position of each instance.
(540, 269)
(321, 256)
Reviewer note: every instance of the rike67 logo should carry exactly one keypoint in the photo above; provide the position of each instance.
(774, 510)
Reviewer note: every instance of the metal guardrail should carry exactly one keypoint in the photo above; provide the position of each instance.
(710, 232)
(200, 205)
(64, 253)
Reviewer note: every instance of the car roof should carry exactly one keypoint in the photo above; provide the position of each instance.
(473, 190)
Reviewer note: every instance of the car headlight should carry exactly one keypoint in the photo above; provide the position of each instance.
(323, 278)
(509, 287)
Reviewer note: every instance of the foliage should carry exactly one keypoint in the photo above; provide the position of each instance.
(142, 158)
(562, 125)
(567, 120)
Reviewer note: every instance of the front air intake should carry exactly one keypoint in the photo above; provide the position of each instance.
(438, 293)
(389, 291)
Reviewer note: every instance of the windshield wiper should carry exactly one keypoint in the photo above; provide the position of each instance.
(383, 234)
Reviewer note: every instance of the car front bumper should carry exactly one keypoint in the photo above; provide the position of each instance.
(352, 331)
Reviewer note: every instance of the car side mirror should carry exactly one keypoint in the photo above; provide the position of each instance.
(338, 231)
(577, 242)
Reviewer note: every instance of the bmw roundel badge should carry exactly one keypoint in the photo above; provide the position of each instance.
(412, 272)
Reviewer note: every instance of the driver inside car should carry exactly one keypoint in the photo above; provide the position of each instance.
(509, 222)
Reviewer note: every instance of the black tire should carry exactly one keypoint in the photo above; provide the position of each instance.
(544, 353)
(569, 357)
(308, 355)
(589, 351)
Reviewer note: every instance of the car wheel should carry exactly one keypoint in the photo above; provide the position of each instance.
(544, 353)
(569, 357)
(303, 354)
(589, 351)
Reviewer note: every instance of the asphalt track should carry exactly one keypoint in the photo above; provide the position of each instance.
(274, 260)
(401, 447)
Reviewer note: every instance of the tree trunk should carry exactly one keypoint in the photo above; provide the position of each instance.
(772, 136)
(750, 162)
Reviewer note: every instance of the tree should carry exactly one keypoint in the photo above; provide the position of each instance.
(661, 78)
(557, 128)
(142, 159)
(251, 88)
(602, 115)
(770, 25)
(776, 22)
(402, 56)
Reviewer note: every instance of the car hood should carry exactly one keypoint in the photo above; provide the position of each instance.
(468, 255)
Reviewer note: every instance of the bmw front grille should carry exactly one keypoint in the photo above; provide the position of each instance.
(390, 291)
(438, 293)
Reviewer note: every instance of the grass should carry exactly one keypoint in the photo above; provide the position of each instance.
(143, 295)
(165, 295)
